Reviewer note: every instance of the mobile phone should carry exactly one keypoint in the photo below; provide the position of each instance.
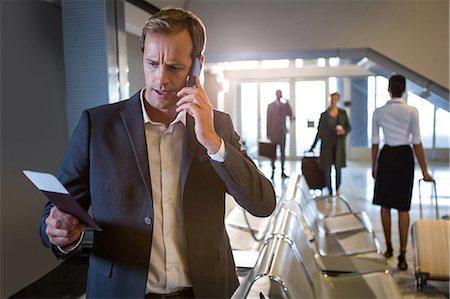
(196, 68)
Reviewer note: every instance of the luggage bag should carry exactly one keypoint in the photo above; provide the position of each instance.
(430, 240)
(267, 149)
(435, 198)
(313, 174)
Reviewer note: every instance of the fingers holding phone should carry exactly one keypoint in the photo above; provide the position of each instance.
(193, 91)
(62, 228)
(196, 102)
(196, 69)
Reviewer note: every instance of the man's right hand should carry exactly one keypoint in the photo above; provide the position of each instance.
(63, 229)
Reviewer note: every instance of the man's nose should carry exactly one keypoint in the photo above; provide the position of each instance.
(163, 76)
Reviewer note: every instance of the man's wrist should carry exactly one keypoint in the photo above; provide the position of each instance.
(68, 249)
(220, 155)
(214, 146)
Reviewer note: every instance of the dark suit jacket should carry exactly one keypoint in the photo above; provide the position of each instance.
(326, 147)
(276, 121)
(106, 167)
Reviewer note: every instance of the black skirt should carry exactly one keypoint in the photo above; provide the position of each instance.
(394, 178)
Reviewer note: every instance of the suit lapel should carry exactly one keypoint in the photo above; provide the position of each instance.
(134, 125)
(189, 148)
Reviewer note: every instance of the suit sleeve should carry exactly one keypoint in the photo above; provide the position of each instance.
(73, 174)
(249, 187)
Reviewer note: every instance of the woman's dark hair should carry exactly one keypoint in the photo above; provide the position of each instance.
(397, 85)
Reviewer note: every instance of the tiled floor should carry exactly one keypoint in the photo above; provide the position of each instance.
(357, 187)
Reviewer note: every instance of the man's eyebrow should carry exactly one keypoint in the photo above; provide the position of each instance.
(170, 63)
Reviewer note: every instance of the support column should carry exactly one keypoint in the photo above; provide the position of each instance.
(358, 112)
(94, 54)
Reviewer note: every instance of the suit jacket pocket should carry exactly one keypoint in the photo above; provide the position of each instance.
(103, 267)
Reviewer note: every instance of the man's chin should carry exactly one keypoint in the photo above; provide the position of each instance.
(164, 103)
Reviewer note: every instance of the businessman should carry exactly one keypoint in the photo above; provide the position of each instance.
(277, 111)
(155, 169)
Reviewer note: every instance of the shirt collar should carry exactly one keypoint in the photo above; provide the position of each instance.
(396, 100)
(181, 116)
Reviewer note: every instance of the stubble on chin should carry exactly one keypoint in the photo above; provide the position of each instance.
(165, 104)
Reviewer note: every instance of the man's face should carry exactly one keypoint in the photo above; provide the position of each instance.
(278, 94)
(334, 100)
(167, 61)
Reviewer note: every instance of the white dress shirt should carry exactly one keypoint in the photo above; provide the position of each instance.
(168, 269)
(399, 121)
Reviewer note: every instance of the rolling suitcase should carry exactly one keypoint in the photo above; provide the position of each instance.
(267, 149)
(435, 198)
(313, 174)
(430, 240)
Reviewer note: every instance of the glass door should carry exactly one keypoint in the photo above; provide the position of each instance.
(255, 97)
(249, 117)
(310, 102)
(267, 96)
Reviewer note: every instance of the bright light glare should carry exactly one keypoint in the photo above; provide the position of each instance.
(299, 63)
(275, 64)
(333, 61)
(332, 85)
(241, 65)
(321, 62)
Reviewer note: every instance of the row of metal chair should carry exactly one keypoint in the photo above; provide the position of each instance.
(337, 229)
(288, 264)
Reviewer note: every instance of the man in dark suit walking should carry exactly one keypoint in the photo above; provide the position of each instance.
(155, 169)
(277, 111)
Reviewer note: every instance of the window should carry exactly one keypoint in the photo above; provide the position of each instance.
(310, 99)
(442, 125)
(426, 118)
(377, 96)
(249, 116)
(275, 64)
(332, 85)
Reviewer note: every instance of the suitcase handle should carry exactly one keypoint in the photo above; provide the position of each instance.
(435, 197)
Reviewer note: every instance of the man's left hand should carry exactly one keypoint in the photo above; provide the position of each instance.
(195, 101)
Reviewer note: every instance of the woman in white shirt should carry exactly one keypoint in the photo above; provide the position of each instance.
(393, 168)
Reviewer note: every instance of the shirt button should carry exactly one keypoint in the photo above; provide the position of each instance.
(148, 220)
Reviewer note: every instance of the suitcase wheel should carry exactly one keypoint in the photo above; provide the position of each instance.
(421, 280)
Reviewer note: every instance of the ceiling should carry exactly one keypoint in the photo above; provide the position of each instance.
(136, 17)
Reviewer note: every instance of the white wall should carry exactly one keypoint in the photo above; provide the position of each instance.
(413, 33)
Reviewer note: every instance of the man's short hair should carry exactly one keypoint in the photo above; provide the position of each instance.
(397, 85)
(175, 20)
(335, 94)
